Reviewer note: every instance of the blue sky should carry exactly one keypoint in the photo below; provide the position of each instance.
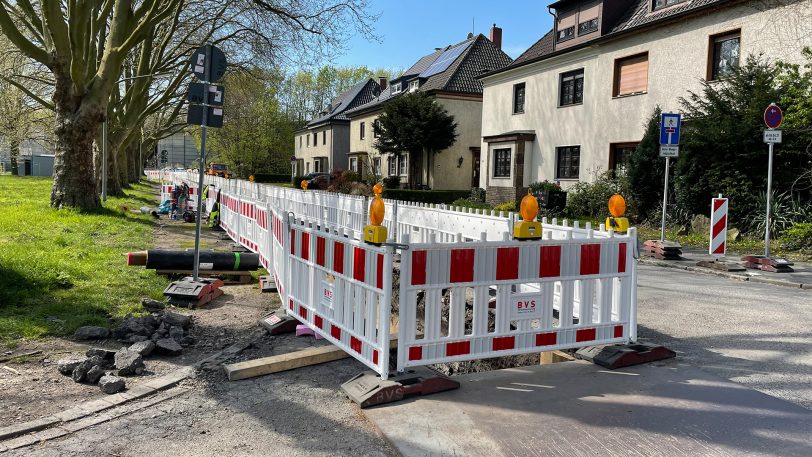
(414, 28)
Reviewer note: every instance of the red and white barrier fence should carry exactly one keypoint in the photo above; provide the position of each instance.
(477, 293)
(501, 297)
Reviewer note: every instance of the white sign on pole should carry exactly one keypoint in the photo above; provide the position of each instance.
(669, 151)
(772, 136)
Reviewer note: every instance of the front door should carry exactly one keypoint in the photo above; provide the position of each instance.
(475, 167)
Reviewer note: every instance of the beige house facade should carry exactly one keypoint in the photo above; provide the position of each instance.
(573, 106)
(449, 76)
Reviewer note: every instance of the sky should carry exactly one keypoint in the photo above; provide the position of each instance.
(412, 29)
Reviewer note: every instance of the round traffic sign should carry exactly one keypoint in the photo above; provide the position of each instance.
(773, 116)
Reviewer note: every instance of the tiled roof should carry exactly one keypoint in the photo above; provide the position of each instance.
(460, 76)
(361, 93)
(635, 17)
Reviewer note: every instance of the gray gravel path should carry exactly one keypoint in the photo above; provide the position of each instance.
(759, 335)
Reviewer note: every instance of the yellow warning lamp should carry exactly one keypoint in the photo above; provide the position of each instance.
(304, 185)
(375, 233)
(528, 228)
(251, 178)
(617, 207)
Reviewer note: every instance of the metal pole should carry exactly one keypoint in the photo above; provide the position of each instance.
(206, 77)
(104, 160)
(769, 197)
(665, 198)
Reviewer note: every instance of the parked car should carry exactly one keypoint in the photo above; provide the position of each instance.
(319, 181)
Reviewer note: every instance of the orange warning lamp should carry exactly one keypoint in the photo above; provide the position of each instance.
(251, 178)
(528, 228)
(375, 233)
(617, 207)
(304, 185)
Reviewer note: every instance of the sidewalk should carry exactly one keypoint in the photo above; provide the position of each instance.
(800, 278)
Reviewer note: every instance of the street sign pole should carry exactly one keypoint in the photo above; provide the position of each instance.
(665, 199)
(201, 164)
(769, 195)
(773, 116)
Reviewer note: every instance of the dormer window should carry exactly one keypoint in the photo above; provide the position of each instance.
(413, 85)
(660, 4)
(566, 34)
(588, 27)
(396, 88)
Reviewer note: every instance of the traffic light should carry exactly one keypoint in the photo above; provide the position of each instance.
(164, 156)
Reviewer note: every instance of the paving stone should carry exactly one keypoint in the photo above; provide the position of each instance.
(90, 332)
(27, 427)
(168, 346)
(142, 347)
(71, 414)
(111, 384)
(100, 404)
(128, 362)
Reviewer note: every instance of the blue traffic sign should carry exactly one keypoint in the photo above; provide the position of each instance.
(669, 129)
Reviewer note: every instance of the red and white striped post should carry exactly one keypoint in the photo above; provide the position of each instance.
(718, 227)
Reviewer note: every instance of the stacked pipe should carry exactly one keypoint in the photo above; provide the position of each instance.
(184, 260)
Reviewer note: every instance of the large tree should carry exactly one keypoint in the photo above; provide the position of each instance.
(416, 124)
(85, 46)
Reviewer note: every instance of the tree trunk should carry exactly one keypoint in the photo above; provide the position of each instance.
(76, 126)
(14, 151)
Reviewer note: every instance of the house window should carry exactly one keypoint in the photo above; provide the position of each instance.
(300, 141)
(619, 155)
(724, 54)
(317, 166)
(572, 88)
(324, 137)
(659, 4)
(307, 168)
(376, 166)
(588, 27)
(566, 34)
(308, 140)
(568, 161)
(631, 75)
(363, 130)
(501, 163)
(354, 164)
(392, 166)
(376, 128)
(413, 85)
(518, 98)
(396, 88)
(402, 165)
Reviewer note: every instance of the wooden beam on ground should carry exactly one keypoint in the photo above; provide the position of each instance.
(289, 361)
(549, 357)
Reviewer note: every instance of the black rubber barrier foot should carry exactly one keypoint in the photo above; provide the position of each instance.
(278, 322)
(624, 355)
(368, 389)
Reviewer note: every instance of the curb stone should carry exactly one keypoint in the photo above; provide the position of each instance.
(739, 277)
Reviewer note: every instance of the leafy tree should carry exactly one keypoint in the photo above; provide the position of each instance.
(416, 124)
(796, 92)
(646, 169)
(722, 149)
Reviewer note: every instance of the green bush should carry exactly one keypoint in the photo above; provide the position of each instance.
(468, 203)
(391, 182)
(799, 236)
(589, 200)
(272, 177)
(785, 210)
(543, 185)
(506, 207)
(425, 196)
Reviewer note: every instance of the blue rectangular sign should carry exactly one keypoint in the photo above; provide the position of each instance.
(669, 128)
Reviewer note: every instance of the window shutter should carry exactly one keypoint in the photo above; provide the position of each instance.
(632, 75)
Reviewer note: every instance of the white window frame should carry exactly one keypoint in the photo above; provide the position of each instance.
(403, 165)
(354, 164)
(413, 85)
(397, 88)
(376, 166)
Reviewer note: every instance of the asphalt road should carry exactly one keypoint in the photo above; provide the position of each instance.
(758, 335)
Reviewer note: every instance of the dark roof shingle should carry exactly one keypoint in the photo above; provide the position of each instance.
(361, 93)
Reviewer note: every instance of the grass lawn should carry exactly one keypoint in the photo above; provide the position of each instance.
(60, 270)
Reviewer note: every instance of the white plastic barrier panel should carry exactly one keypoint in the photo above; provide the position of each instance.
(248, 224)
(512, 289)
(342, 289)
(263, 237)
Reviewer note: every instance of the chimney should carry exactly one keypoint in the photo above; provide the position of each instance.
(382, 81)
(496, 36)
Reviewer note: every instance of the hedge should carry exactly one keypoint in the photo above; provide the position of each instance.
(425, 196)
(271, 177)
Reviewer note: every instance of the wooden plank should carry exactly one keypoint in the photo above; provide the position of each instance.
(548, 357)
(289, 361)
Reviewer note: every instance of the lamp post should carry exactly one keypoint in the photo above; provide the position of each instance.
(104, 134)
(292, 169)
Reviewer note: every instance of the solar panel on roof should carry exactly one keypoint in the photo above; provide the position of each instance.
(444, 61)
